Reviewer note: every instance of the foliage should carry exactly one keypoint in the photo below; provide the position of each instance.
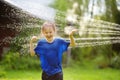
(15, 61)
(102, 56)
(115, 62)
(23, 38)
(61, 5)
(2, 72)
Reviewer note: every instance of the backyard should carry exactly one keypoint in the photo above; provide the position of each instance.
(96, 55)
(70, 73)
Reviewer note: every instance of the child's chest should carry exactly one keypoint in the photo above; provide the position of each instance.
(51, 50)
(50, 46)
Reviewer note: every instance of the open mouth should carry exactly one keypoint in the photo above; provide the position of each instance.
(49, 37)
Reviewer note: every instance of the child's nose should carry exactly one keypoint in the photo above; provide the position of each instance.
(48, 34)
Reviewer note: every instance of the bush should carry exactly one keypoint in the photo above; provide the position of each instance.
(2, 72)
(15, 61)
(115, 62)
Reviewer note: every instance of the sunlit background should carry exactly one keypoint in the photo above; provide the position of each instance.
(97, 54)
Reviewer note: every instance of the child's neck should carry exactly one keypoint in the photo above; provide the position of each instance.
(50, 41)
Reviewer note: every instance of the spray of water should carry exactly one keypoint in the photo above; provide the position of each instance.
(90, 33)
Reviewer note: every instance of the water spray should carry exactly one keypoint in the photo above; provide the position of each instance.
(91, 32)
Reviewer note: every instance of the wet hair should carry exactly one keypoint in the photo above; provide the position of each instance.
(48, 24)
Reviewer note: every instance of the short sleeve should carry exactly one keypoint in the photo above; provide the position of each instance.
(65, 44)
(38, 49)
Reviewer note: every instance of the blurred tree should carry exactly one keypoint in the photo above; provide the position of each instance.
(111, 7)
(106, 10)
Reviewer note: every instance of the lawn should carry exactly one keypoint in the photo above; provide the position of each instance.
(69, 74)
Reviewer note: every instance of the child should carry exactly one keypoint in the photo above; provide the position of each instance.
(50, 50)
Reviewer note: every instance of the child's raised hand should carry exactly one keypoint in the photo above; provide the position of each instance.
(34, 38)
(73, 31)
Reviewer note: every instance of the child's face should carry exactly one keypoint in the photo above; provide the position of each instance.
(48, 32)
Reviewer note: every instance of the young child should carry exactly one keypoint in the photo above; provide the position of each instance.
(50, 50)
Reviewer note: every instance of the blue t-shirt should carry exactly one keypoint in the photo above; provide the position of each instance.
(51, 54)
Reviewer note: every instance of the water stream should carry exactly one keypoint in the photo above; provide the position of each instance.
(90, 33)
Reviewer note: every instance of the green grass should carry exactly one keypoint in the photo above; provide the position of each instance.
(75, 73)
(91, 74)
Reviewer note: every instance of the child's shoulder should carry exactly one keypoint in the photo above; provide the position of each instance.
(59, 38)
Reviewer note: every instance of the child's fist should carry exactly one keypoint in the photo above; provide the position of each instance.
(34, 38)
(73, 31)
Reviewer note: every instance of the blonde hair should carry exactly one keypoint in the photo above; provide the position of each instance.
(48, 24)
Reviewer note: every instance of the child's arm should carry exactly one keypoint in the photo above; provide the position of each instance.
(72, 41)
(32, 52)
